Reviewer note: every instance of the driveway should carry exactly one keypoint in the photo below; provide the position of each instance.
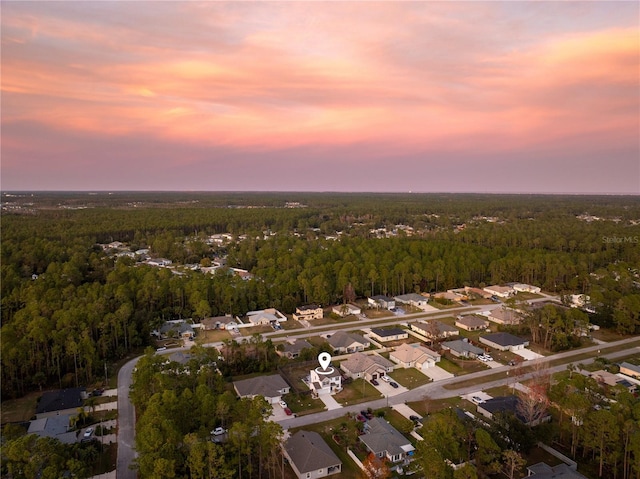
(386, 389)
(436, 373)
(329, 401)
(527, 354)
(405, 410)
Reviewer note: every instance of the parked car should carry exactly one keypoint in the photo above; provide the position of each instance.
(477, 400)
(219, 431)
(414, 418)
(394, 384)
(282, 403)
(88, 432)
(488, 358)
(361, 418)
(375, 382)
(366, 414)
(386, 379)
(482, 358)
(287, 411)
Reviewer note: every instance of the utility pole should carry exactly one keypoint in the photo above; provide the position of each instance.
(106, 379)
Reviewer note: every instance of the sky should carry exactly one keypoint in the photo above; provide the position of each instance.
(449, 96)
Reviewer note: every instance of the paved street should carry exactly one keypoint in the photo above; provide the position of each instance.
(126, 423)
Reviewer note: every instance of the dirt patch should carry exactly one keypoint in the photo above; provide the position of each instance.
(19, 410)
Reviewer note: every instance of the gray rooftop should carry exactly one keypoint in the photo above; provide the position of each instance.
(386, 332)
(460, 346)
(504, 339)
(267, 386)
(308, 451)
(343, 339)
(382, 437)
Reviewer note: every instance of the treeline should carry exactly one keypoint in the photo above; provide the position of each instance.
(177, 412)
(67, 307)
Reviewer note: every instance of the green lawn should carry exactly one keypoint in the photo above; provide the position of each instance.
(460, 366)
(303, 404)
(212, 336)
(409, 377)
(356, 392)
(429, 406)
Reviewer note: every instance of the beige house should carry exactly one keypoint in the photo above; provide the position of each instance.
(503, 316)
(414, 356)
(343, 310)
(471, 322)
(432, 330)
(309, 312)
(361, 365)
(500, 291)
(629, 369)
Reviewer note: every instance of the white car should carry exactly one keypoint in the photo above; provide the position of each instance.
(477, 400)
(482, 358)
(88, 432)
(218, 431)
(488, 358)
(385, 378)
(283, 404)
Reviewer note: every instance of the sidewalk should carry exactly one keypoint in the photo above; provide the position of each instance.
(329, 402)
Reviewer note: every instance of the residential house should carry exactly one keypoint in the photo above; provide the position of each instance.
(381, 301)
(388, 334)
(360, 365)
(56, 427)
(629, 369)
(414, 356)
(385, 441)
(449, 295)
(432, 330)
(471, 292)
(462, 348)
(272, 387)
(265, 316)
(606, 378)
(176, 328)
(293, 350)
(60, 401)
(345, 343)
(500, 291)
(309, 312)
(471, 322)
(412, 299)
(504, 341)
(343, 310)
(217, 322)
(503, 316)
(542, 470)
(310, 456)
(161, 262)
(328, 383)
(525, 288)
(508, 404)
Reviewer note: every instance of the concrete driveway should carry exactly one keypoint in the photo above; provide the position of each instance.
(436, 373)
(386, 389)
(527, 354)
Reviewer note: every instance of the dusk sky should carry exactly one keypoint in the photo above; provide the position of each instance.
(473, 96)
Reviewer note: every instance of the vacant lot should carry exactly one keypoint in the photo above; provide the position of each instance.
(409, 377)
(460, 366)
(212, 336)
(22, 409)
(356, 392)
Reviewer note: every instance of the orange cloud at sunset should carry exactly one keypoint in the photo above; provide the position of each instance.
(409, 78)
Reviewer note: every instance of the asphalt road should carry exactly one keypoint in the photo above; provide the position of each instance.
(126, 423)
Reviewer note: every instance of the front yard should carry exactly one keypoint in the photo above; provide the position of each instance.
(409, 377)
(356, 392)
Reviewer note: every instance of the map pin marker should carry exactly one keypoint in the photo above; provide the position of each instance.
(324, 359)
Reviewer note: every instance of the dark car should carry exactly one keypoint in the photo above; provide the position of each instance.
(375, 382)
(394, 384)
(414, 418)
(361, 418)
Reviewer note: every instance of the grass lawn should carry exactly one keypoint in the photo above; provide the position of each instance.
(607, 335)
(302, 405)
(460, 366)
(212, 336)
(356, 392)
(409, 377)
(397, 420)
(21, 409)
(429, 406)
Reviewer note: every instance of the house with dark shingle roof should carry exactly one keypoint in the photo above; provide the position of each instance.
(504, 341)
(67, 400)
(270, 387)
(509, 405)
(432, 329)
(310, 456)
(388, 334)
(383, 440)
(293, 350)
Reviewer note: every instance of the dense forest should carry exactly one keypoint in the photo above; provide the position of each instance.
(68, 305)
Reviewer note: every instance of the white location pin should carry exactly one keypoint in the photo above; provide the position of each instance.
(324, 359)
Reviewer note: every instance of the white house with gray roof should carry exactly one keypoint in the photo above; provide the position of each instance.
(310, 456)
(270, 387)
(412, 299)
(462, 348)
